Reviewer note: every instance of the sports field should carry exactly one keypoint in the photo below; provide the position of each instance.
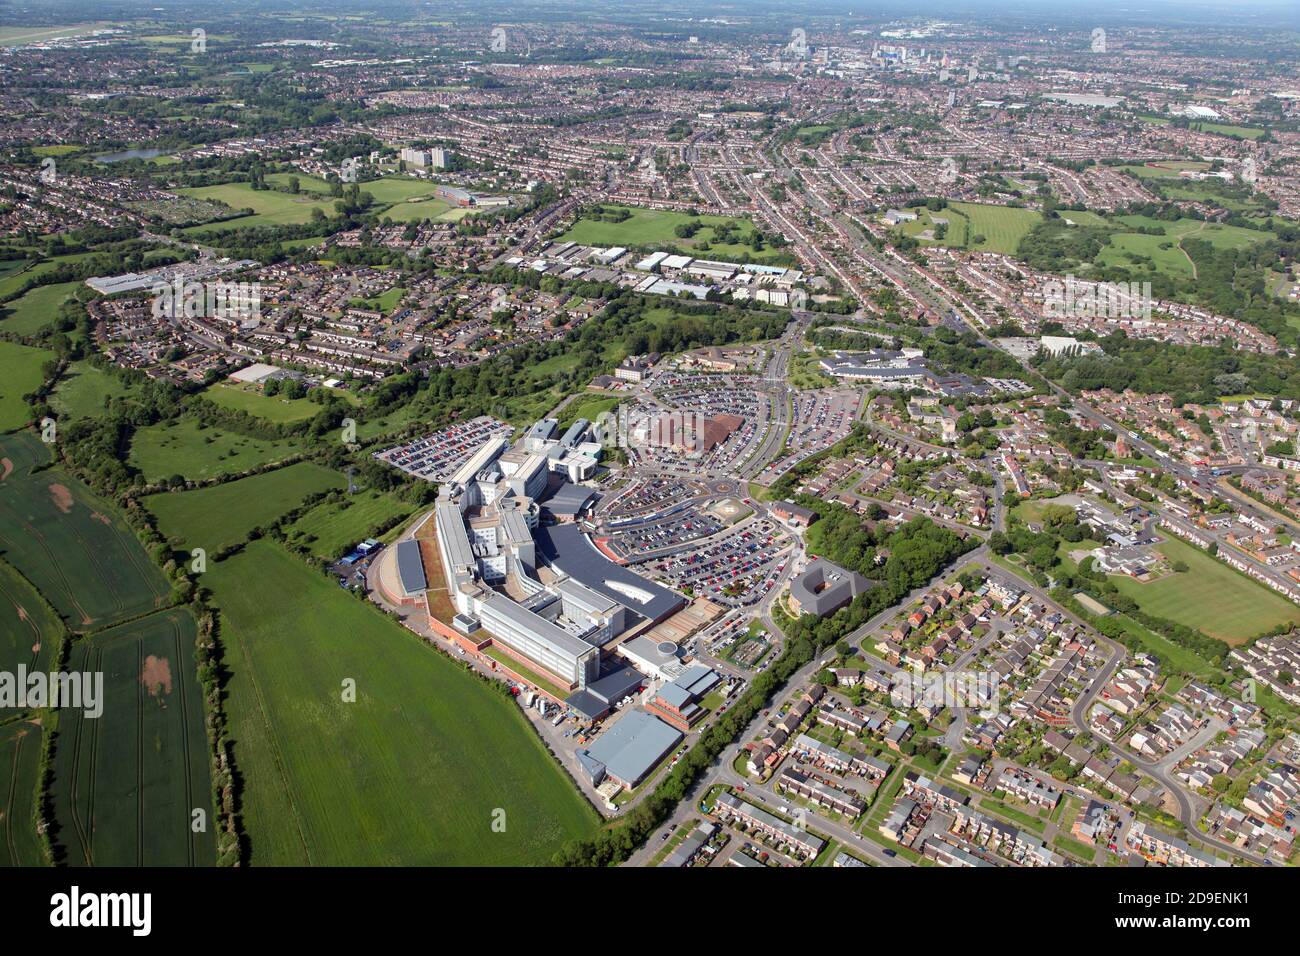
(20, 374)
(34, 311)
(29, 630)
(188, 448)
(270, 208)
(1002, 227)
(71, 544)
(20, 759)
(127, 782)
(410, 773)
(331, 527)
(655, 227)
(221, 515)
(1209, 596)
(252, 400)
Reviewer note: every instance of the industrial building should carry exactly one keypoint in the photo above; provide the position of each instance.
(629, 750)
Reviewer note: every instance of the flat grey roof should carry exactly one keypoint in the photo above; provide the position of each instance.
(630, 749)
(410, 567)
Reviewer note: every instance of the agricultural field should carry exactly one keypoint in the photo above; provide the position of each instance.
(20, 371)
(655, 227)
(273, 408)
(269, 208)
(82, 391)
(424, 742)
(330, 528)
(221, 515)
(193, 450)
(127, 782)
(20, 758)
(37, 309)
(29, 630)
(70, 543)
(1210, 596)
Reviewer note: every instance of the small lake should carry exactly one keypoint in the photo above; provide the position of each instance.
(130, 154)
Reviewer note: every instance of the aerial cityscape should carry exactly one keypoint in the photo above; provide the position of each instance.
(683, 435)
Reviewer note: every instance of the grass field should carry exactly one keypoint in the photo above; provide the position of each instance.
(193, 450)
(34, 311)
(20, 759)
(331, 527)
(71, 544)
(410, 773)
(20, 373)
(215, 517)
(252, 400)
(1210, 596)
(126, 783)
(29, 631)
(83, 389)
(1002, 227)
(269, 208)
(654, 227)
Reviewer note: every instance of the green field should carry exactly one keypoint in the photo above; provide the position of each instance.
(29, 630)
(1001, 226)
(20, 759)
(269, 208)
(331, 527)
(221, 515)
(82, 390)
(193, 450)
(71, 544)
(1210, 596)
(20, 374)
(654, 227)
(34, 311)
(252, 400)
(410, 773)
(126, 783)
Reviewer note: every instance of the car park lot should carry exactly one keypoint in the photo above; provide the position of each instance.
(737, 569)
(820, 420)
(436, 457)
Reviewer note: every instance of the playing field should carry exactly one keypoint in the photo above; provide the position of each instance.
(412, 772)
(71, 544)
(221, 515)
(269, 208)
(1001, 227)
(188, 448)
(126, 784)
(252, 400)
(1210, 596)
(20, 759)
(29, 630)
(20, 374)
(34, 311)
(655, 227)
(331, 527)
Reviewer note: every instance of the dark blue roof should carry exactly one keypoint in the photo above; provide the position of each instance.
(566, 547)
